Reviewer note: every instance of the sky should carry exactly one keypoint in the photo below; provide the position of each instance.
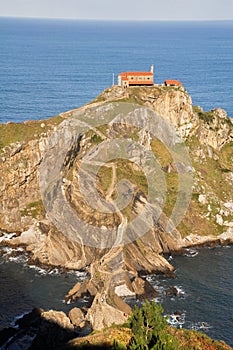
(120, 9)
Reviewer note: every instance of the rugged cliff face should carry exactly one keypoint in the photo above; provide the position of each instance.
(115, 269)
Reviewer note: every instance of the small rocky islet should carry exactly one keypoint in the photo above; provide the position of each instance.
(116, 272)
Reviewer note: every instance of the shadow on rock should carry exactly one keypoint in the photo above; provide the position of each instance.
(39, 330)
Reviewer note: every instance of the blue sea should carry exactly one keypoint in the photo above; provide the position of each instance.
(51, 66)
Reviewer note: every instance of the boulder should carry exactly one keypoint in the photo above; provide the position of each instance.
(77, 317)
(102, 315)
(59, 318)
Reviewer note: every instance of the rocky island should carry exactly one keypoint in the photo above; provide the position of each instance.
(29, 203)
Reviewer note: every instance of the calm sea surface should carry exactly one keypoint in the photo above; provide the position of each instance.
(23, 288)
(50, 66)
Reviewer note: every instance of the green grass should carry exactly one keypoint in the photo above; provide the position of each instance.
(130, 171)
(226, 157)
(213, 171)
(161, 152)
(34, 209)
(211, 174)
(105, 178)
(124, 170)
(24, 132)
(164, 158)
(207, 117)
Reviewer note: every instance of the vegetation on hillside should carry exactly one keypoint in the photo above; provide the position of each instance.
(147, 329)
(24, 132)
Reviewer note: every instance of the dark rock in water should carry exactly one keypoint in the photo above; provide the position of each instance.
(6, 334)
(38, 330)
(22, 336)
(144, 289)
(78, 291)
(30, 319)
(178, 316)
(54, 331)
(172, 291)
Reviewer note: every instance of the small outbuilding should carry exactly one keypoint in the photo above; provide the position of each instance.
(172, 83)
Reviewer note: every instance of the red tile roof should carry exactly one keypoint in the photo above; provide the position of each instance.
(173, 82)
(135, 74)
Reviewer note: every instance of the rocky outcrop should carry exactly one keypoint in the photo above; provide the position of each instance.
(215, 128)
(114, 277)
(47, 229)
(176, 107)
(173, 104)
(18, 184)
(59, 318)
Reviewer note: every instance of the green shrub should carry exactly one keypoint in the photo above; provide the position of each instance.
(149, 328)
(118, 346)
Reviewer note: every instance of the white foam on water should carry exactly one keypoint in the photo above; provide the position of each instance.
(18, 317)
(20, 249)
(81, 275)
(54, 271)
(158, 300)
(176, 319)
(39, 270)
(17, 259)
(180, 290)
(85, 299)
(44, 271)
(20, 255)
(7, 251)
(191, 253)
(156, 284)
(6, 236)
(204, 326)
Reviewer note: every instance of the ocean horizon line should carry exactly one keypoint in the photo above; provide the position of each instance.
(117, 20)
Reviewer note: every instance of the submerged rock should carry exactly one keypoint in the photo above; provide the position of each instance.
(172, 291)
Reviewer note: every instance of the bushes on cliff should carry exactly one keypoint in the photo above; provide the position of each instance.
(149, 329)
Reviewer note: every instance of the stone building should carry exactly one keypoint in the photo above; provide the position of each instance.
(127, 79)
